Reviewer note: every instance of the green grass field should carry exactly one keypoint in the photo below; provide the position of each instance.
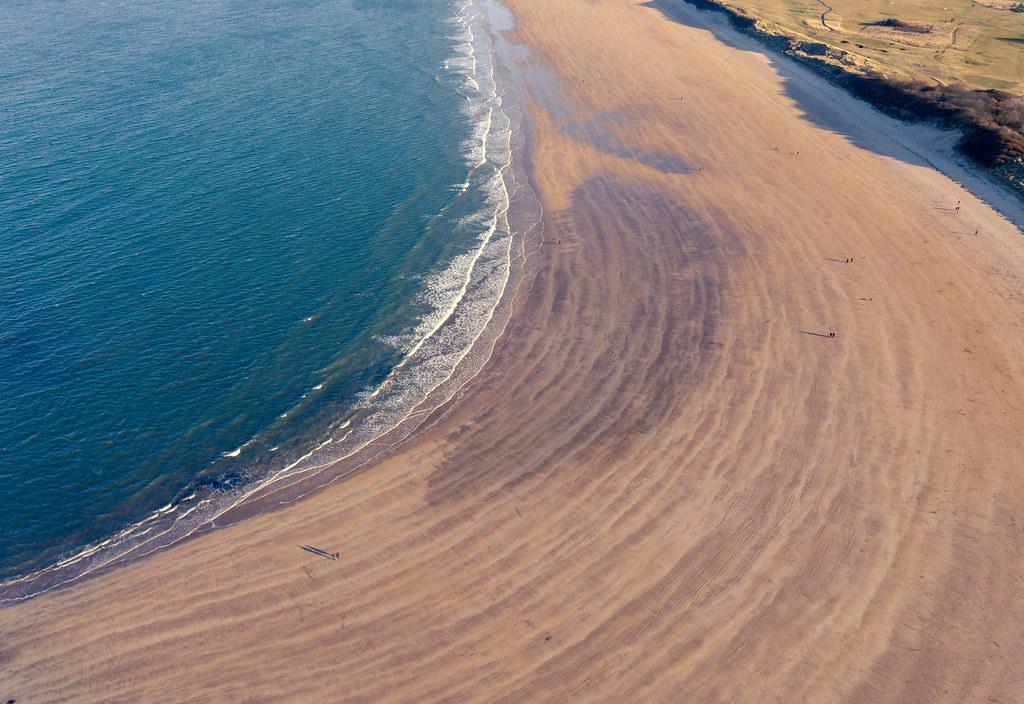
(978, 43)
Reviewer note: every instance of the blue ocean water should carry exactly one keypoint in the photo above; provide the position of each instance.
(217, 220)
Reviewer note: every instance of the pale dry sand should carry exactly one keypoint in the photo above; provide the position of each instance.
(660, 490)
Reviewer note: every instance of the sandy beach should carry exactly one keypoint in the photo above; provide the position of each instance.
(670, 483)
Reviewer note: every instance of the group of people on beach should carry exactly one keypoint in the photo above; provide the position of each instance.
(956, 209)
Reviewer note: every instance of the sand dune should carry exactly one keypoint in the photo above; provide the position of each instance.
(666, 485)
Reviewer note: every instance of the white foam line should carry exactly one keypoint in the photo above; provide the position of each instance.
(483, 139)
(416, 409)
(501, 213)
(286, 472)
(390, 379)
(524, 256)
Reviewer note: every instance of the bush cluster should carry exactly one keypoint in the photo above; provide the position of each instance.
(992, 120)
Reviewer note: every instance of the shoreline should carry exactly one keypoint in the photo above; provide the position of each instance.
(277, 486)
(667, 480)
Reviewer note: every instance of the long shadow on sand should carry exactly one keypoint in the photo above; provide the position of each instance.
(820, 101)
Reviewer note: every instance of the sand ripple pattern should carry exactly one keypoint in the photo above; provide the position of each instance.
(660, 488)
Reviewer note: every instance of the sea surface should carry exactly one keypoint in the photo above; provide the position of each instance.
(237, 239)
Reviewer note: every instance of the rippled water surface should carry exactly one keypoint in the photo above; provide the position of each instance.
(219, 221)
